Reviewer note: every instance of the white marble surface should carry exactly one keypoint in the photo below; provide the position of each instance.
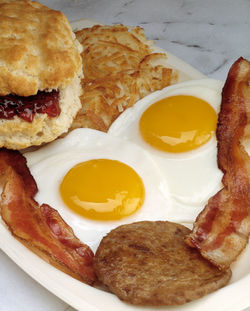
(209, 35)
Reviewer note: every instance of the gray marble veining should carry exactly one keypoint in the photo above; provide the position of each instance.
(208, 35)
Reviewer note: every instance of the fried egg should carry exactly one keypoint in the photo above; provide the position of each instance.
(97, 182)
(136, 171)
(177, 127)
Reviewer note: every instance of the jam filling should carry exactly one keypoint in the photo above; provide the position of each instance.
(26, 107)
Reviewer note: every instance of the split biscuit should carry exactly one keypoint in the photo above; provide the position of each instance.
(38, 52)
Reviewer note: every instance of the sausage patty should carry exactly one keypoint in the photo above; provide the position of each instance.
(148, 263)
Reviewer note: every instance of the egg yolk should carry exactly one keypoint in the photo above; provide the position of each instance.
(178, 123)
(102, 189)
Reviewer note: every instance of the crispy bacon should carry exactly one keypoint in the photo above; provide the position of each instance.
(40, 228)
(222, 229)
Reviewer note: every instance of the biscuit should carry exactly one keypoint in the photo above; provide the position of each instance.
(38, 49)
(148, 263)
(38, 52)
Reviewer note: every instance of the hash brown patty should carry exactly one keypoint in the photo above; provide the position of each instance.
(148, 263)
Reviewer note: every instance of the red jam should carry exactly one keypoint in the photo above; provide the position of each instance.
(26, 107)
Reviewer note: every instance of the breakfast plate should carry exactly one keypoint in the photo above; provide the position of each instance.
(232, 297)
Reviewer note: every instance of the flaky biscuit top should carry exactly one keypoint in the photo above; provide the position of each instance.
(38, 50)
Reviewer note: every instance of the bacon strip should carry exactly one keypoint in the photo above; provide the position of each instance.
(40, 228)
(222, 229)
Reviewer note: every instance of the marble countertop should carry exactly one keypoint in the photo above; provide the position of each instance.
(209, 35)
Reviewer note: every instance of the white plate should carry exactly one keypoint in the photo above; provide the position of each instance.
(233, 297)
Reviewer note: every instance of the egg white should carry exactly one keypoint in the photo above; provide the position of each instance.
(193, 177)
(49, 165)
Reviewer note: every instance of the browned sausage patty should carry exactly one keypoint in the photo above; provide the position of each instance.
(148, 263)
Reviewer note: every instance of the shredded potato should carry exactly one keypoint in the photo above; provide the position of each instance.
(119, 68)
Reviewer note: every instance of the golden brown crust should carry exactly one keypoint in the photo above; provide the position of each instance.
(38, 48)
(148, 263)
